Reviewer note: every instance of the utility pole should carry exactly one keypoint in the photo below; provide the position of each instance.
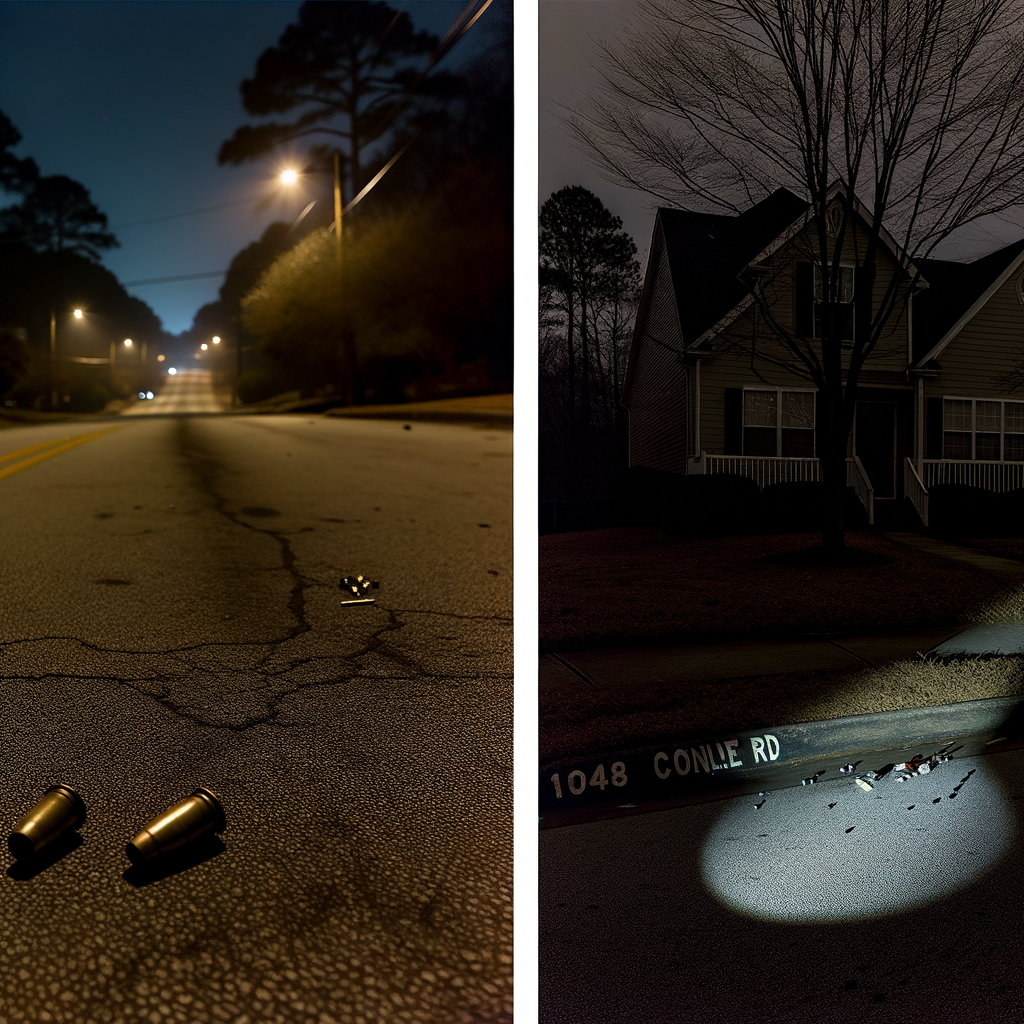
(347, 348)
(53, 358)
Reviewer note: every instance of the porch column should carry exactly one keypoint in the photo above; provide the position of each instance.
(919, 425)
(696, 407)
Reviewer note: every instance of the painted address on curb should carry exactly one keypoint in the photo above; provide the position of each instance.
(657, 774)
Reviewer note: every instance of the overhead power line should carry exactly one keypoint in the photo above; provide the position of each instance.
(184, 213)
(177, 277)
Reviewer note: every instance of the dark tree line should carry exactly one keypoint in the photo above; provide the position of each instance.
(589, 291)
(50, 245)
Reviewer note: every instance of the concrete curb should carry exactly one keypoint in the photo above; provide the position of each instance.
(496, 420)
(700, 768)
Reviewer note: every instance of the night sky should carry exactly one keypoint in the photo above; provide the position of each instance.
(569, 32)
(133, 99)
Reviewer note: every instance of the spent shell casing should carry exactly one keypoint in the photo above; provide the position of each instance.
(60, 811)
(199, 816)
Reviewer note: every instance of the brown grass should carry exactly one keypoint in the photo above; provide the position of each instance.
(634, 586)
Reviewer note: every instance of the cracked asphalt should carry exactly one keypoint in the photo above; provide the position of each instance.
(169, 618)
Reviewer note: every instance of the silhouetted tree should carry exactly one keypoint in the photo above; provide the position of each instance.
(58, 214)
(15, 173)
(917, 108)
(589, 275)
(14, 357)
(345, 69)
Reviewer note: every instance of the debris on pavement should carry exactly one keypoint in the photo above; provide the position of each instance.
(197, 817)
(60, 811)
(864, 784)
(358, 587)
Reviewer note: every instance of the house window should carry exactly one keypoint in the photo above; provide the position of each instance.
(982, 429)
(845, 298)
(778, 423)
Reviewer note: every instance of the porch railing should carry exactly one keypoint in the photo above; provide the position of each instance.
(992, 476)
(857, 478)
(763, 471)
(767, 471)
(915, 490)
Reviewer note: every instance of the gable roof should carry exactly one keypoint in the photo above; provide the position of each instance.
(706, 252)
(958, 292)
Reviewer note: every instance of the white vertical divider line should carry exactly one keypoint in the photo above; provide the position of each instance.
(526, 16)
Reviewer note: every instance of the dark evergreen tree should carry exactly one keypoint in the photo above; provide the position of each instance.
(589, 279)
(57, 214)
(347, 70)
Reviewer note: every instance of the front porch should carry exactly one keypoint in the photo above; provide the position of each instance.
(998, 477)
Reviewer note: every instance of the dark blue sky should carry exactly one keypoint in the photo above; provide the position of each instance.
(133, 99)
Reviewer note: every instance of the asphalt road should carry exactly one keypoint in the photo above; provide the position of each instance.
(170, 618)
(186, 391)
(825, 903)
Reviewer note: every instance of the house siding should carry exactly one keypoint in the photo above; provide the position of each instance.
(660, 402)
(988, 346)
(734, 365)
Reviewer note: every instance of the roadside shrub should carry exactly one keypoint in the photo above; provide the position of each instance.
(259, 384)
(958, 510)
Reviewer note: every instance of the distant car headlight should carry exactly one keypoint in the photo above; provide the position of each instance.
(142, 394)
(149, 394)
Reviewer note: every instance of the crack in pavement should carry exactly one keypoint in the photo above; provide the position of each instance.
(158, 684)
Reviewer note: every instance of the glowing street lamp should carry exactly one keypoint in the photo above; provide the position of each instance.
(289, 177)
(204, 346)
(216, 339)
(54, 396)
(127, 342)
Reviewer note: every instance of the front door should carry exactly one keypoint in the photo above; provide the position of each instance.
(874, 443)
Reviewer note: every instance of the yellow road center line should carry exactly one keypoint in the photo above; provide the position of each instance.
(33, 448)
(42, 457)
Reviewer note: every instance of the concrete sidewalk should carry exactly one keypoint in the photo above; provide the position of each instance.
(943, 549)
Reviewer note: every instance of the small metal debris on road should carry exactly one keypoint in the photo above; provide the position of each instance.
(198, 817)
(60, 811)
(359, 587)
(808, 782)
(864, 784)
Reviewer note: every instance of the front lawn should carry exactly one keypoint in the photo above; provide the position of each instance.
(637, 586)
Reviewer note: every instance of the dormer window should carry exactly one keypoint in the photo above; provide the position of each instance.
(845, 299)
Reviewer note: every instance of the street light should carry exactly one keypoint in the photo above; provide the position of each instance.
(216, 340)
(54, 396)
(127, 342)
(204, 346)
(289, 177)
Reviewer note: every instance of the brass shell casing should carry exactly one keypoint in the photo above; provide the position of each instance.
(198, 816)
(60, 810)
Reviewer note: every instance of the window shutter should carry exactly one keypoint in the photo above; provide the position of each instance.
(734, 421)
(805, 300)
(933, 435)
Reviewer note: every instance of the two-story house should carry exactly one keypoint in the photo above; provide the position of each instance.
(711, 390)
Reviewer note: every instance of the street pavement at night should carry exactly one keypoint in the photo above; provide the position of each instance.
(171, 618)
(187, 391)
(825, 903)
